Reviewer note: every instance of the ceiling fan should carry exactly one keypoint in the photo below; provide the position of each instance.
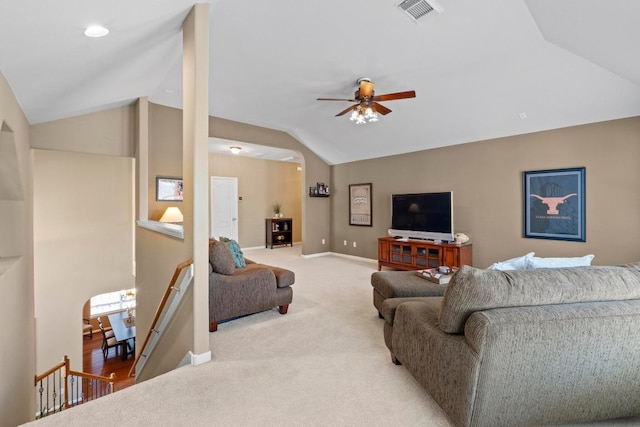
(367, 106)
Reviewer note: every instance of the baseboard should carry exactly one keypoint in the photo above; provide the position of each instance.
(194, 359)
(199, 359)
(355, 258)
(317, 254)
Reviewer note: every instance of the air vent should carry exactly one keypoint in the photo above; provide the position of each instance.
(418, 9)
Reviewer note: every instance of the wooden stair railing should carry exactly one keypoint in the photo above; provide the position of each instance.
(58, 389)
(159, 312)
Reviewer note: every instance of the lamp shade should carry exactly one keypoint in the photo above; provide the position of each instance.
(172, 215)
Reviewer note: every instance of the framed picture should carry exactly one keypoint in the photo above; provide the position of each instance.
(360, 212)
(169, 189)
(554, 204)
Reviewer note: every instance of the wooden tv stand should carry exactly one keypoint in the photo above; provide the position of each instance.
(421, 254)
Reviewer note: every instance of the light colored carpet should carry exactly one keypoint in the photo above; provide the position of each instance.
(322, 364)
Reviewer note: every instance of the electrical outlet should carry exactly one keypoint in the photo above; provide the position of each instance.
(323, 241)
(345, 243)
(354, 244)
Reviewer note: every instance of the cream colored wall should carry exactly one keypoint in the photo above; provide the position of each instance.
(486, 178)
(17, 354)
(157, 256)
(109, 132)
(165, 153)
(316, 212)
(83, 244)
(165, 159)
(260, 183)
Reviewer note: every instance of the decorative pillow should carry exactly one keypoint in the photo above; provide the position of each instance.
(518, 263)
(535, 262)
(220, 258)
(236, 252)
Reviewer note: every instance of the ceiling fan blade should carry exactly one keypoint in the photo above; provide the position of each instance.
(335, 99)
(346, 110)
(397, 95)
(381, 108)
(366, 89)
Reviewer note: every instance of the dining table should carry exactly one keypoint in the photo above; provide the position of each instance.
(123, 324)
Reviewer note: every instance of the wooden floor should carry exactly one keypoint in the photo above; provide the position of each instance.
(93, 362)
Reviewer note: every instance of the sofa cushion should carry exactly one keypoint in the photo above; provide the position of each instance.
(535, 262)
(220, 258)
(236, 252)
(390, 305)
(472, 289)
(518, 263)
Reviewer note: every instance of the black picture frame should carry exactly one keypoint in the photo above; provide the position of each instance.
(169, 189)
(554, 204)
(360, 206)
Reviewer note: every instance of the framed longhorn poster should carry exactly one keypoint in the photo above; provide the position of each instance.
(554, 204)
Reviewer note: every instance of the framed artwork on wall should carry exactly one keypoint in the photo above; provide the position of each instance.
(360, 212)
(554, 204)
(169, 189)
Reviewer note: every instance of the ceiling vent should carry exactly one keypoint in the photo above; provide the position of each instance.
(418, 9)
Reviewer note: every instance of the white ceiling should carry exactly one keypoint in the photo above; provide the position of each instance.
(476, 67)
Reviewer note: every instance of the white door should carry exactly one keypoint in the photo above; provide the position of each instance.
(224, 207)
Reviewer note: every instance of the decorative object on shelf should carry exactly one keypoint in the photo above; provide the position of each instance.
(320, 190)
(276, 210)
(172, 216)
(554, 204)
(360, 212)
(169, 189)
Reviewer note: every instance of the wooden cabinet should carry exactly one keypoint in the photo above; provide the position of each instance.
(421, 254)
(278, 232)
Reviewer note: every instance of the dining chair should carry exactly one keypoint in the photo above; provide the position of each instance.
(108, 342)
(108, 332)
(87, 329)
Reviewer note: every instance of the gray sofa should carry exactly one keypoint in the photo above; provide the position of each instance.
(525, 348)
(235, 292)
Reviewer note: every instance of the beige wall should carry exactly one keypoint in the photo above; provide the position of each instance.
(165, 153)
(486, 178)
(83, 244)
(165, 158)
(157, 256)
(17, 353)
(260, 183)
(316, 212)
(110, 132)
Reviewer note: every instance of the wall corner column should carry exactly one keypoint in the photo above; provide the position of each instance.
(195, 89)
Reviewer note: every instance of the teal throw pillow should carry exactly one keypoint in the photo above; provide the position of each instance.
(235, 250)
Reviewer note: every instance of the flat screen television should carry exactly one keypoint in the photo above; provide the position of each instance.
(426, 216)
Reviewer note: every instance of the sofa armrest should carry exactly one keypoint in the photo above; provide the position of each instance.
(550, 349)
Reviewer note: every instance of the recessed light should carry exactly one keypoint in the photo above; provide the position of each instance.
(235, 149)
(522, 116)
(96, 31)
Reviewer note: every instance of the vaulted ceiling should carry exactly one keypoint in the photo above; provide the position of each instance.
(480, 69)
